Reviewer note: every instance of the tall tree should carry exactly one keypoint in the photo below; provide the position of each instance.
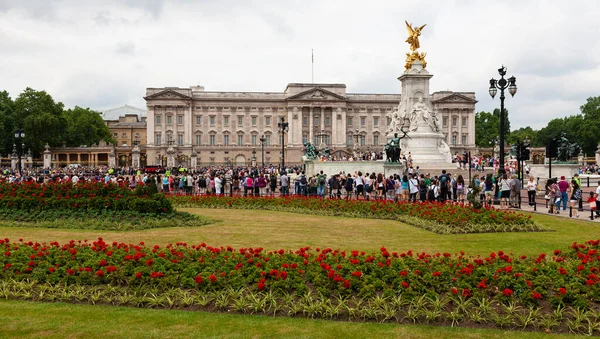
(589, 131)
(523, 134)
(6, 128)
(487, 128)
(85, 127)
(41, 118)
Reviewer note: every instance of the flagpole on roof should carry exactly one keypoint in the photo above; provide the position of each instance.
(312, 56)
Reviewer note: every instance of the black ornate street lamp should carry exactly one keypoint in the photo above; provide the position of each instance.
(263, 139)
(501, 85)
(19, 135)
(283, 127)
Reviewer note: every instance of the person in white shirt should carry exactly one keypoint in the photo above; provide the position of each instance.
(75, 179)
(531, 188)
(413, 185)
(359, 184)
(598, 200)
(218, 184)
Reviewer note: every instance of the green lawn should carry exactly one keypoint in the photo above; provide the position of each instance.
(22, 319)
(275, 230)
(270, 230)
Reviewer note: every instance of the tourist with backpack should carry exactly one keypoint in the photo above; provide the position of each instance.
(422, 188)
(443, 186)
(321, 181)
(302, 183)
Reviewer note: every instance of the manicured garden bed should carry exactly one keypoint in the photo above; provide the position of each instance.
(558, 292)
(432, 216)
(89, 206)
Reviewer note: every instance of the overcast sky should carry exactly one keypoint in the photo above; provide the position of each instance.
(104, 54)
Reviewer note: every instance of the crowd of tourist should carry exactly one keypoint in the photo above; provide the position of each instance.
(269, 181)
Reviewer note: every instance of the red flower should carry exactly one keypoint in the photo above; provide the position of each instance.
(138, 275)
(198, 279)
(70, 272)
(454, 290)
(436, 274)
(149, 262)
(110, 269)
(536, 295)
(482, 284)
(589, 282)
(347, 284)
(404, 284)
(357, 274)
(31, 264)
(403, 273)
(100, 273)
(507, 292)
(562, 290)
(51, 269)
(212, 278)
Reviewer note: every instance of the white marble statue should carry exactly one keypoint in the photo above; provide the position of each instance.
(396, 120)
(419, 112)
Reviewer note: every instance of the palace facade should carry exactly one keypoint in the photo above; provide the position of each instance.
(200, 127)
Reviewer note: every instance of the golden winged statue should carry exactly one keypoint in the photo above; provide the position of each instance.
(413, 35)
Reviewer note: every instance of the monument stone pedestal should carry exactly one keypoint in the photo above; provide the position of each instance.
(416, 122)
(393, 168)
(47, 157)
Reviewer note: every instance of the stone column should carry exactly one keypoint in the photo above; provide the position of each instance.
(323, 118)
(47, 157)
(459, 123)
(310, 126)
(135, 157)
(344, 129)
(112, 158)
(334, 127)
(194, 159)
(14, 159)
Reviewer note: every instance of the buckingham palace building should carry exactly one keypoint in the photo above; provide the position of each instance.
(199, 128)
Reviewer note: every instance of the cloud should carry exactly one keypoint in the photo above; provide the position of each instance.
(125, 48)
(80, 51)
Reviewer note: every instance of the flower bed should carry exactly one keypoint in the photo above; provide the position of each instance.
(553, 292)
(87, 196)
(433, 216)
(89, 206)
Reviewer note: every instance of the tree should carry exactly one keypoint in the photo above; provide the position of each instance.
(6, 128)
(41, 118)
(487, 128)
(589, 130)
(522, 134)
(85, 127)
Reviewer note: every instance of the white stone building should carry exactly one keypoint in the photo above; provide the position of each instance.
(206, 128)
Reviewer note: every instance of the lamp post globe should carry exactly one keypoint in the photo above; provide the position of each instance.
(502, 84)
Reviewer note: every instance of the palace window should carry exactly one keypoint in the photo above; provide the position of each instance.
(225, 121)
(304, 120)
(157, 138)
(240, 139)
(376, 140)
(240, 121)
(304, 138)
(268, 121)
(268, 139)
(327, 120)
(316, 119)
(315, 140)
(363, 140)
(349, 121)
(180, 139)
(198, 139)
(363, 121)
(454, 121)
(463, 139)
(253, 139)
(376, 121)
(349, 140)
(124, 135)
(212, 120)
(212, 140)
(454, 140)
(198, 120)
(169, 120)
(464, 122)
(226, 139)
(445, 121)
(253, 121)
(327, 139)
(157, 119)
(116, 135)
(180, 120)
